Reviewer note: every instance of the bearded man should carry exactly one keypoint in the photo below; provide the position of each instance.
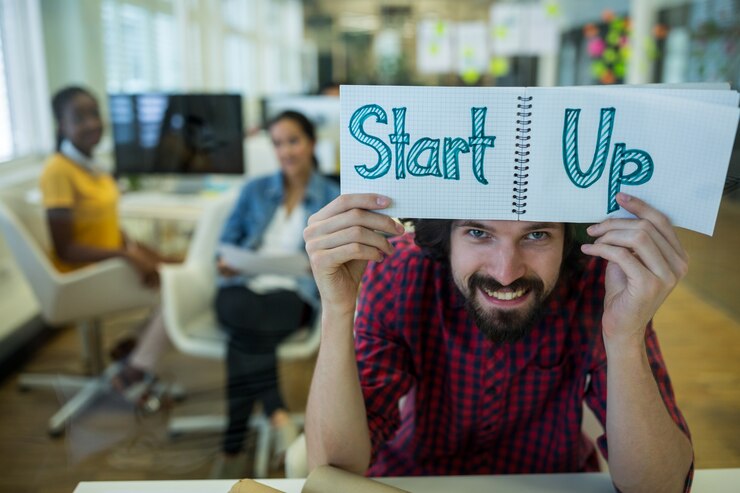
(474, 345)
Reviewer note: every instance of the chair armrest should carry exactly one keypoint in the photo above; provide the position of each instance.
(187, 293)
(100, 288)
(302, 344)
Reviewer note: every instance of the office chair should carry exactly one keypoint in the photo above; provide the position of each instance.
(188, 292)
(81, 297)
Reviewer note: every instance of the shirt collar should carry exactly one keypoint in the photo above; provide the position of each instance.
(69, 150)
(313, 189)
(276, 188)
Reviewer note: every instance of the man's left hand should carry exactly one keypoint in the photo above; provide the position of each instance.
(646, 261)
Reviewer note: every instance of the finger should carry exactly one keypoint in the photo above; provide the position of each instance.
(626, 261)
(334, 257)
(646, 251)
(678, 260)
(368, 201)
(353, 234)
(353, 217)
(643, 210)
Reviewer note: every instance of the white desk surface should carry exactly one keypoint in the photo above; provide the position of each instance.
(705, 481)
(166, 206)
(156, 205)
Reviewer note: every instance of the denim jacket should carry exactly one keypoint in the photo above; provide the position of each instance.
(257, 203)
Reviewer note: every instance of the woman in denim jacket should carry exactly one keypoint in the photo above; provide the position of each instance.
(258, 312)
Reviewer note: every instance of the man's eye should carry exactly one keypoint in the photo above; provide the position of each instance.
(477, 233)
(537, 235)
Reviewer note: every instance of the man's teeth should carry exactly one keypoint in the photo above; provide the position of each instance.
(505, 295)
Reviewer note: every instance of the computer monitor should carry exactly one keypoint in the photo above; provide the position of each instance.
(192, 134)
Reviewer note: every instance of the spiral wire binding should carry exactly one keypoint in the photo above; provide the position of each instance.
(521, 168)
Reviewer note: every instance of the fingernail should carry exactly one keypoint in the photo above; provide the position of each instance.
(383, 200)
(591, 229)
(400, 228)
(624, 197)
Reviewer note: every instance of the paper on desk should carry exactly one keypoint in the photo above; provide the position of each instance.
(251, 486)
(324, 479)
(249, 262)
(328, 479)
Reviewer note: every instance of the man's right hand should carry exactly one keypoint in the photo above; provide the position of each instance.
(340, 240)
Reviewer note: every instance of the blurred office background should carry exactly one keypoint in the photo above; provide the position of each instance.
(290, 53)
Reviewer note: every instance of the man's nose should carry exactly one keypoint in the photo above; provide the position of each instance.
(506, 265)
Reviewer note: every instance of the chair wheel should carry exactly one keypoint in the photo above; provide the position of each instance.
(56, 433)
(150, 405)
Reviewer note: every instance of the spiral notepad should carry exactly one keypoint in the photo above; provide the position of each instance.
(539, 154)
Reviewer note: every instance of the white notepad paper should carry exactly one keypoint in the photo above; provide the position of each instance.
(540, 154)
(251, 263)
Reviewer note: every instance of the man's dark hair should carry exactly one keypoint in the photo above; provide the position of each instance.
(433, 237)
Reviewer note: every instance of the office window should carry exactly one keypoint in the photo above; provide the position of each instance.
(25, 123)
(240, 34)
(240, 15)
(240, 62)
(262, 46)
(282, 49)
(140, 42)
(168, 56)
(6, 133)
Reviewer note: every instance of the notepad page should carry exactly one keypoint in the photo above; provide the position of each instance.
(689, 142)
(682, 91)
(434, 113)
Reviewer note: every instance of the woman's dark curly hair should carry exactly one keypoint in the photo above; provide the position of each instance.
(433, 237)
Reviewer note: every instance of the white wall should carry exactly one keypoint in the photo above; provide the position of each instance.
(74, 44)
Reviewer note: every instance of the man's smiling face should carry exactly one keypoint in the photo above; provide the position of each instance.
(506, 270)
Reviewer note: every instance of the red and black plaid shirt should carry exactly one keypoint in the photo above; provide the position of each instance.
(472, 406)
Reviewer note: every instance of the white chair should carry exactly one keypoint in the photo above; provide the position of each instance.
(79, 297)
(188, 292)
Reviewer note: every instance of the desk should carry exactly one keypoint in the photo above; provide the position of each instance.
(166, 219)
(166, 206)
(705, 481)
(154, 205)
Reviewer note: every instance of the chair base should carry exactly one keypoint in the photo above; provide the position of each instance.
(217, 423)
(88, 390)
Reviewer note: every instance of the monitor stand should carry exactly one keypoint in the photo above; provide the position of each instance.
(187, 185)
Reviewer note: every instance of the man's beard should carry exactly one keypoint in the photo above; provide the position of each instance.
(500, 325)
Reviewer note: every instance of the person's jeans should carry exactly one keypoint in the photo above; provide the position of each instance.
(256, 324)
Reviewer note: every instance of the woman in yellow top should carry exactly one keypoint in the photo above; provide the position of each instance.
(81, 207)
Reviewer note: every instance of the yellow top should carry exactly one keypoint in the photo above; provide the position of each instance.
(93, 199)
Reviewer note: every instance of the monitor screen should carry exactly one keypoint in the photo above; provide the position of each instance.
(177, 133)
